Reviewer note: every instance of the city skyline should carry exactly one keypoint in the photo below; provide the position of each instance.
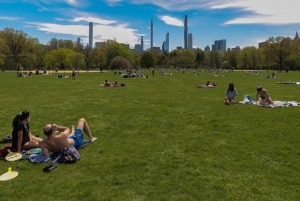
(241, 23)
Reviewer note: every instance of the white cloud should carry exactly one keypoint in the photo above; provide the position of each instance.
(264, 12)
(101, 32)
(261, 11)
(172, 21)
(93, 19)
(9, 18)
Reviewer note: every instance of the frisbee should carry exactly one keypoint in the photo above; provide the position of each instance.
(13, 156)
(8, 175)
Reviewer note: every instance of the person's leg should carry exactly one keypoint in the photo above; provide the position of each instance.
(270, 101)
(38, 139)
(83, 125)
(28, 145)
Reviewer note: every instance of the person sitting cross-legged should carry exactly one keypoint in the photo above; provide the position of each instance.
(67, 137)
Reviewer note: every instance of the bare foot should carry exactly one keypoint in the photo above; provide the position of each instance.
(93, 139)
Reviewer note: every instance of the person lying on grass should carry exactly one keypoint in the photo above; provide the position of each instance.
(214, 84)
(67, 137)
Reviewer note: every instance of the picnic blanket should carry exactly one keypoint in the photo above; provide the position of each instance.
(288, 82)
(281, 104)
(39, 158)
(248, 100)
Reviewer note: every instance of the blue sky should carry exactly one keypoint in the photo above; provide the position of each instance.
(240, 22)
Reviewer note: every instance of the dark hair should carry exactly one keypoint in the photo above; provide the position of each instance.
(20, 117)
(231, 86)
(259, 88)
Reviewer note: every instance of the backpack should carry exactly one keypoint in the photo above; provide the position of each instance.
(69, 155)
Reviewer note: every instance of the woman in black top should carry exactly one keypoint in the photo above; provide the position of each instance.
(21, 135)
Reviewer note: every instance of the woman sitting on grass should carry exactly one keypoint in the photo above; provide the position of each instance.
(263, 97)
(21, 135)
(231, 94)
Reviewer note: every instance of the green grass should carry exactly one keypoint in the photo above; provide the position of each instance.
(159, 139)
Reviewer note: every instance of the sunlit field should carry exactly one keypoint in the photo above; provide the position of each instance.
(159, 138)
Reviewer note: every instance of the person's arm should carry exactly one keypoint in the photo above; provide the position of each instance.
(60, 128)
(45, 150)
(20, 140)
(72, 130)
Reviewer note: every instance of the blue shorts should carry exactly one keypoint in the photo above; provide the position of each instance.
(77, 137)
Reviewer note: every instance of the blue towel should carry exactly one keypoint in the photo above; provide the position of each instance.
(38, 158)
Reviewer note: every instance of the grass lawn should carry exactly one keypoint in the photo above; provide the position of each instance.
(159, 138)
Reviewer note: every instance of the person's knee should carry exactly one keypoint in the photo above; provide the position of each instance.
(81, 119)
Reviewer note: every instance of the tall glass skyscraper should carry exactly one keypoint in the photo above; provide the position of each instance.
(91, 34)
(185, 31)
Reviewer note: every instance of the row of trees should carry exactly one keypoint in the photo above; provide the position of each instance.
(17, 49)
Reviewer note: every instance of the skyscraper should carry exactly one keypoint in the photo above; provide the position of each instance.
(207, 48)
(185, 31)
(165, 46)
(91, 34)
(142, 44)
(219, 45)
(167, 43)
(190, 41)
(151, 34)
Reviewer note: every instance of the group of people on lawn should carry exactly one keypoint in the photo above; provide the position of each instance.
(262, 96)
(22, 139)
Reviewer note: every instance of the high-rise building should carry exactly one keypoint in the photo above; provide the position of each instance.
(138, 48)
(165, 46)
(261, 45)
(78, 41)
(190, 42)
(296, 36)
(157, 49)
(219, 45)
(237, 48)
(185, 31)
(207, 48)
(98, 44)
(142, 44)
(91, 34)
(151, 34)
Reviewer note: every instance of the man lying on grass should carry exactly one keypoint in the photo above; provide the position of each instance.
(67, 137)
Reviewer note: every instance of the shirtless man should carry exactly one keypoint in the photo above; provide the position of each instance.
(67, 137)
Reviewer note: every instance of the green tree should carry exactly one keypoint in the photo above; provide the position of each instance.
(2, 56)
(199, 56)
(243, 59)
(18, 45)
(119, 63)
(89, 55)
(147, 60)
(116, 49)
(76, 59)
(58, 58)
(185, 59)
(277, 49)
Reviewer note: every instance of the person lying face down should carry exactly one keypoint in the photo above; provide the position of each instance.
(66, 138)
